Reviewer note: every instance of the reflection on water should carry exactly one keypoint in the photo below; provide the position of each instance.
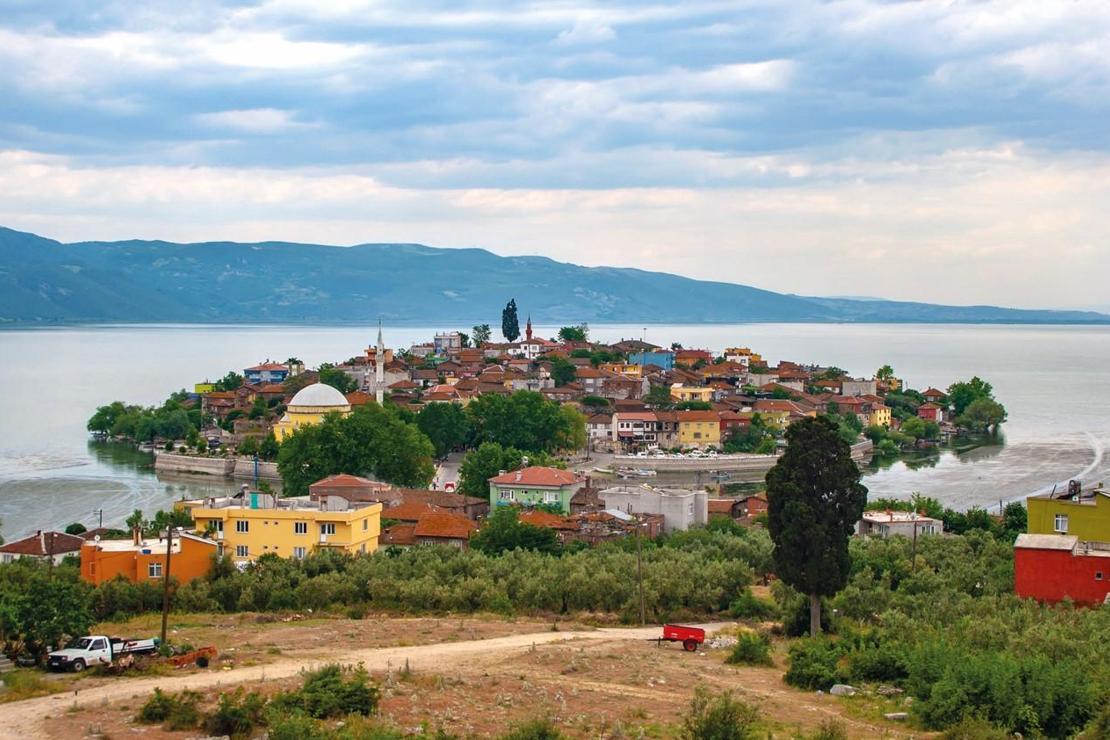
(119, 456)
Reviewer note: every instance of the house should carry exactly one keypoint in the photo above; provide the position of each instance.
(880, 415)
(1054, 567)
(680, 508)
(780, 413)
(698, 428)
(142, 559)
(444, 528)
(1085, 514)
(599, 426)
(533, 486)
(683, 393)
(350, 487)
(251, 524)
(932, 395)
(635, 428)
(742, 356)
(890, 523)
(858, 387)
(471, 507)
(447, 343)
(52, 546)
(692, 356)
(621, 368)
(930, 412)
(267, 372)
(661, 357)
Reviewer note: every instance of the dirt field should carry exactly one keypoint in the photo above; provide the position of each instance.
(595, 683)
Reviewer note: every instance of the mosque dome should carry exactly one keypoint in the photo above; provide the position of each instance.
(319, 395)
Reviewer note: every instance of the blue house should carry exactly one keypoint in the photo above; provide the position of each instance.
(661, 357)
(267, 372)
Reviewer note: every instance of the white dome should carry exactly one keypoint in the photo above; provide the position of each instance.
(319, 395)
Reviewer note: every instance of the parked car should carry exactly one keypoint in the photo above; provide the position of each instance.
(97, 650)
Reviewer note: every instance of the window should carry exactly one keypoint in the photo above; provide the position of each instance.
(300, 527)
(550, 497)
(241, 551)
(98, 645)
(298, 553)
(1061, 524)
(242, 525)
(154, 570)
(1098, 575)
(365, 525)
(219, 525)
(327, 528)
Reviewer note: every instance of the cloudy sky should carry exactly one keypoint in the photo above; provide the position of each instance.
(938, 150)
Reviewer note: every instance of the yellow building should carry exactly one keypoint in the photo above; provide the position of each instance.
(743, 355)
(1085, 515)
(309, 406)
(204, 387)
(257, 524)
(699, 428)
(622, 368)
(879, 416)
(680, 393)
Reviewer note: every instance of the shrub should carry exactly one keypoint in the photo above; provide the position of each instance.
(974, 729)
(813, 663)
(752, 648)
(718, 718)
(236, 714)
(536, 729)
(332, 691)
(830, 729)
(175, 711)
(293, 727)
(749, 606)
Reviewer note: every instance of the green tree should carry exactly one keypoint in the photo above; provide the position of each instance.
(76, 528)
(579, 333)
(503, 531)
(963, 394)
(337, 379)
(44, 611)
(749, 438)
(268, 447)
(480, 334)
(594, 403)
(248, 447)
(562, 371)
(370, 441)
(886, 372)
(510, 325)
(660, 397)
(258, 408)
(105, 417)
(525, 420)
(447, 425)
(572, 429)
(489, 459)
(982, 415)
(230, 382)
(814, 500)
(721, 717)
(693, 406)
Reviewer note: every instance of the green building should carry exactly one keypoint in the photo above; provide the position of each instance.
(534, 486)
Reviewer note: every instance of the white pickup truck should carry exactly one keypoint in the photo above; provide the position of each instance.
(94, 650)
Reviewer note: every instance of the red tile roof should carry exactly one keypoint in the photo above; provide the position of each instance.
(443, 524)
(399, 534)
(545, 519)
(345, 480)
(408, 512)
(44, 544)
(537, 475)
(688, 416)
(268, 366)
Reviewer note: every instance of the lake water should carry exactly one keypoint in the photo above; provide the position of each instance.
(1054, 381)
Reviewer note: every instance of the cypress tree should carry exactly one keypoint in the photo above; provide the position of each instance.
(510, 327)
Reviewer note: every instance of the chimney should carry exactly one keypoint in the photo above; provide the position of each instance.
(137, 536)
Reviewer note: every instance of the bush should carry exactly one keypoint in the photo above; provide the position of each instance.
(752, 648)
(332, 691)
(813, 663)
(537, 729)
(749, 606)
(974, 729)
(830, 729)
(718, 718)
(293, 727)
(236, 714)
(175, 711)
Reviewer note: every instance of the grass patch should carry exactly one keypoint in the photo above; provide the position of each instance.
(27, 683)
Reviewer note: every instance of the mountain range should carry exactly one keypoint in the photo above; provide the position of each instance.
(44, 281)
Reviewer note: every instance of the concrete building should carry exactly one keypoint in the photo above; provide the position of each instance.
(533, 486)
(267, 372)
(1054, 567)
(680, 508)
(253, 524)
(142, 559)
(858, 387)
(892, 523)
(1085, 514)
(309, 406)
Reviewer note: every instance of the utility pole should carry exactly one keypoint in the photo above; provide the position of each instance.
(100, 513)
(166, 582)
(639, 569)
(913, 556)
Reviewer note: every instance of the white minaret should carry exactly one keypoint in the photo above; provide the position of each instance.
(379, 368)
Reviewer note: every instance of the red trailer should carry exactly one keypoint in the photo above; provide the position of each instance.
(690, 637)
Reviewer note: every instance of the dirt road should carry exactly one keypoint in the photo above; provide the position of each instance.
(24, 719)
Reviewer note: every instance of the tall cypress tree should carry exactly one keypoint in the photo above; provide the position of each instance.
(510, 327)
(814, 500)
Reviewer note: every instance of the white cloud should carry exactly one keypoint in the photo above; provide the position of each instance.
(253, 120)
(585, 32)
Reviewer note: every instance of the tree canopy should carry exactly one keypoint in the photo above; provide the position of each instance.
(370, 441)
(962, 394)
(579, 333)
(337, 379)
(814, 500)
(479, 465)
(480, 334)
(525, 420)
(447, 425)
(562, 371)
(503, 531)
(510, 325)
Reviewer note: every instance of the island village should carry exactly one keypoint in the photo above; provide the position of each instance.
(554, 445)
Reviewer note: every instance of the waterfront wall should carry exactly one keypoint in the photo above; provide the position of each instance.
(224, 467)
(861, 453)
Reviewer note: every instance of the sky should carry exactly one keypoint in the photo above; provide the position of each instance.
(947, 151)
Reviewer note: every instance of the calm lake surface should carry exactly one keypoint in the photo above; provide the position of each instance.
(1054, 381)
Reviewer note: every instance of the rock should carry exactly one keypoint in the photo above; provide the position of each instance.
(888, 691)
(897, 716)
(843, 689)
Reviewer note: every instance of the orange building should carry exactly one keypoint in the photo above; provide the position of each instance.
(140, 559)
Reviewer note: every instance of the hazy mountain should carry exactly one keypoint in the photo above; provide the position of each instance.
(42, 280)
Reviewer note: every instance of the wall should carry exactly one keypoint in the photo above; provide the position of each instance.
(861, 452)
(168, 462)
(1089, 522)
(1053, 575)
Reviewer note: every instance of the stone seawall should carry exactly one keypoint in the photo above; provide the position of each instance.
(861, 453)
(224, 467)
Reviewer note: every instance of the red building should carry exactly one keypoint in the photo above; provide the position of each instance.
(1054, 567)
(930, 412)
